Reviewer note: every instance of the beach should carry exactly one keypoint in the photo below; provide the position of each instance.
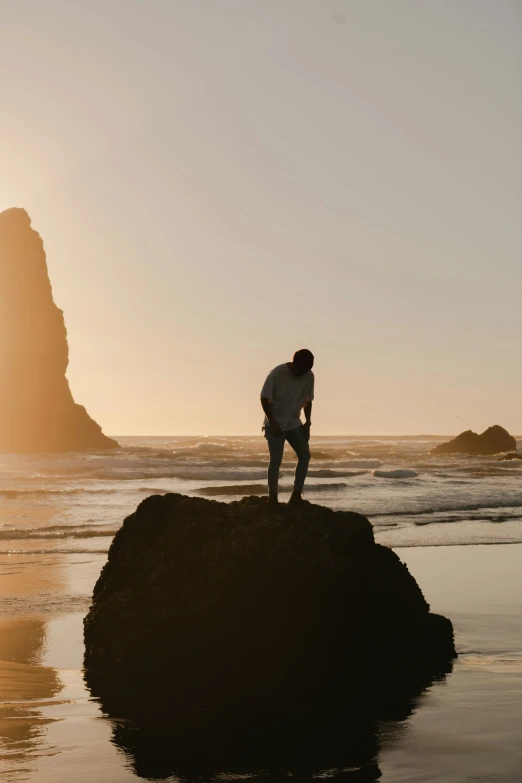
(280, 219)
(455, 523)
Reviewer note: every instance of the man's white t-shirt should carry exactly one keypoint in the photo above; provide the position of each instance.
(288, 394)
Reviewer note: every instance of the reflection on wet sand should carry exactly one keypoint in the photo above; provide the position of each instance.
(21, 639)
(341, 738)
(24, 690)
(37, 594)
(26, 574)
(25, 687)
(31, 587)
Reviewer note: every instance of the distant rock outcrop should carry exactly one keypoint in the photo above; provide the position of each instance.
(494, 440)
(37, 410)
(231, 602)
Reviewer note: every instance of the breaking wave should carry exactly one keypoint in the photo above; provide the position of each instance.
(13, 493)
(53, 532)
(261, 489)
(368, 464)
(100, 489)
(45, 603)
(495, 518)
(440, 509)
(53, 551)
(329, 473)
(395, 473)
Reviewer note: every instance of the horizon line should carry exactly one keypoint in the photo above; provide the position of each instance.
(254, 434)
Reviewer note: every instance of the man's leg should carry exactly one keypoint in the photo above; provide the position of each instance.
(276, 446)
(298, 441)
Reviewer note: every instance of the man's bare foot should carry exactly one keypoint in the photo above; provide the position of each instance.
(295, 498)
(273, 501)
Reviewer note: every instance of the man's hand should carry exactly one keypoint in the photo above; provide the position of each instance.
(275, 427)
(307, 410)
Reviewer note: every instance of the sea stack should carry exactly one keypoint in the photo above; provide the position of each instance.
(37, 409)
(494, 440)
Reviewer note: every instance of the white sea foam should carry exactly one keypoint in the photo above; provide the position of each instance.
(329, 473)
(106, 487)
(367, 464)
(14, 534)
(395, 473)
(465, 508)
(23, 492)
(261, 489)
(45, 603)
(53, 551)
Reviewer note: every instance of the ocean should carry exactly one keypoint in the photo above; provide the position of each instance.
(74, 503)
(59, 512)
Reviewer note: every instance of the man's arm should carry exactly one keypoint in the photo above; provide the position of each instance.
(307, 410)
(267, 407)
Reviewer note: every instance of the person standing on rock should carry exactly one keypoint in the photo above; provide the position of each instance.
(288, 389)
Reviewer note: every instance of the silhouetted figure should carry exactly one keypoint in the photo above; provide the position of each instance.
(288, 389)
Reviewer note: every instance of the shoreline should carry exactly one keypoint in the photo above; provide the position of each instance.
(449, 732)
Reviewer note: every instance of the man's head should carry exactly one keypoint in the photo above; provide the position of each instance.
(302, 362)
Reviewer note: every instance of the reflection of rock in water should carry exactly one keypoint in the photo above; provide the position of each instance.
(195, 745)
(37, 410)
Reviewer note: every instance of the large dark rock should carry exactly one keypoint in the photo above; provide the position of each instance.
(494, 440)
(37, 410)
(233, 602)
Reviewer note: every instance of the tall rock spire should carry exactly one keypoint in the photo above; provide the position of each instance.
(37, 409)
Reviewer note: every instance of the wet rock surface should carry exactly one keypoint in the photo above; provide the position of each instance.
(37, 410)
(494, 440)
(226, 603)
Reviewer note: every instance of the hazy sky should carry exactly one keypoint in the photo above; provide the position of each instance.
(221, 182)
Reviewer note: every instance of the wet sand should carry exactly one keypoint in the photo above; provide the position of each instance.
(465, 727)
(468, 728)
